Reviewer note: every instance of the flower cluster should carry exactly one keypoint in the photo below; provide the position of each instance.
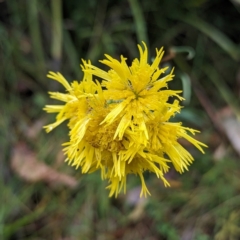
(119, 124)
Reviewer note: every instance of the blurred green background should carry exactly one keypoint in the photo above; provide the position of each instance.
(43, 198)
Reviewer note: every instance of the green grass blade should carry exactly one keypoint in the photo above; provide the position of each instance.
(139, 21)
(217, 36)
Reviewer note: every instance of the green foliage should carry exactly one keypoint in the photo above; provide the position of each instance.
(37, 36)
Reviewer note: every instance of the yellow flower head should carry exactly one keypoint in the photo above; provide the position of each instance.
(139, 90)
(121, 126)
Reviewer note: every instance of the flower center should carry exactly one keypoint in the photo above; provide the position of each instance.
(100, 136)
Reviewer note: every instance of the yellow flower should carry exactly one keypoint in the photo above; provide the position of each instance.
(136, 88)
(121, 126)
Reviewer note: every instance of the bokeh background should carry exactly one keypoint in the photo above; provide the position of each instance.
(44, 198)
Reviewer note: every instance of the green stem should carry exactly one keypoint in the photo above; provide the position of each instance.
(57, 29)
(139, 20)
(36, 36)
